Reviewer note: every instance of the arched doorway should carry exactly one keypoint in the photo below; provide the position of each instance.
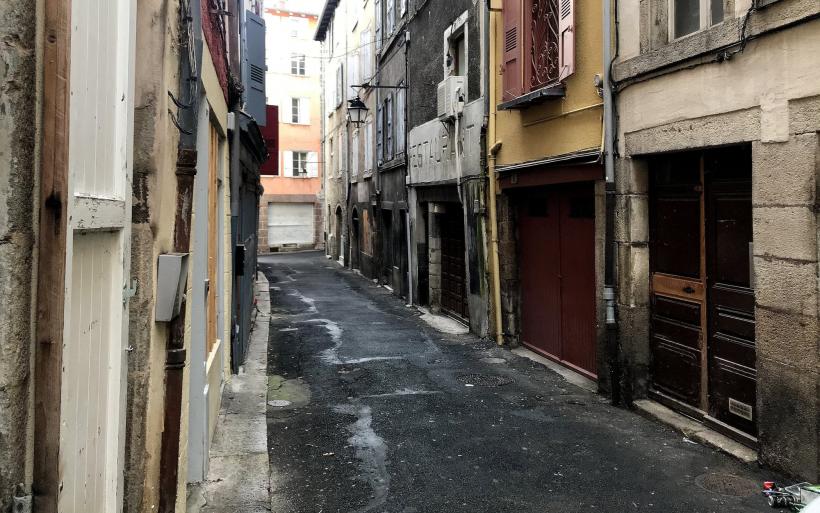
(337, 235)
(354, 240)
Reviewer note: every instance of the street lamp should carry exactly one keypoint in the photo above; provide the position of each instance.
(356, 111)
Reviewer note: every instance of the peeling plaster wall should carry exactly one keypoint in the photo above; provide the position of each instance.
(18, 112)
(153, 214)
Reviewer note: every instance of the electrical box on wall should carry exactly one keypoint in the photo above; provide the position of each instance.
(172, 276)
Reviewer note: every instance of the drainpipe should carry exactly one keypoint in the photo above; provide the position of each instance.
(190, 63)
(610, 280)
(492, 152)
(407, 166)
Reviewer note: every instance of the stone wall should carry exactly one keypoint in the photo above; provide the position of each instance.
(18, 114)
(153, 214)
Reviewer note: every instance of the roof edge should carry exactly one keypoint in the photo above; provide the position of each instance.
(324, 19)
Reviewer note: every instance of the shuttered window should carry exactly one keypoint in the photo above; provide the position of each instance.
(368, 147)
(513, 77)
(566, 35)
(401, 96)
(339, 84)
(354, 154)
(539, 45)
(379, 35)
(388, 112)
(379, 134)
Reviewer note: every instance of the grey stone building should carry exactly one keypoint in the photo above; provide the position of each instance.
(716, 221)
(446, 175)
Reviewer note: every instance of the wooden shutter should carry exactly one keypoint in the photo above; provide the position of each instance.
(304, 111)
(379, 134)
(312, 164)
(566, 39)
(254, 79)
(378, 6)
(288, 163)
(388, 110)
(511, 71)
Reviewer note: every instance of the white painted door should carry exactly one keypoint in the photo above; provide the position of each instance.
(98, 255)
(290, 223)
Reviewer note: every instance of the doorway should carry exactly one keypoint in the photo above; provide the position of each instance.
(702, 284)
(557, 268)
(453, 266)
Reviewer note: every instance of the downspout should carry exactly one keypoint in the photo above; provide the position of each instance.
(407, 165)
(190, 61)
(610, 281)
(492, 151)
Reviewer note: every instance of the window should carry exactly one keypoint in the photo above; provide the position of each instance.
(354, 153)
(331, 161)
(539, 45)
(297, 64)
(403, 7)
(388, 143)
(379, 36)
(296, 26)
(401, 95)
(368, 147)
(389, 24)
(339, 84)
(689, 16)
(300, 164)
(352, 76)
(299, 111)
(366, 56)
(380, 134)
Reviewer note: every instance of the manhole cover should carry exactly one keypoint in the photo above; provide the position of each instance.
(483, 380)
(727, 484)
(279, 403)
(493, 360)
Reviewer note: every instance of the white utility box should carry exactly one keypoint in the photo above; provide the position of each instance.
(172, 276)
(451, 92)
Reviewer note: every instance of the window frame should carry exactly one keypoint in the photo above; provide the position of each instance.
(298, 61)
(295, 159)
(705, 21)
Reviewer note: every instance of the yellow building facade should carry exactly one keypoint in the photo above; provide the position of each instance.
(545, 142)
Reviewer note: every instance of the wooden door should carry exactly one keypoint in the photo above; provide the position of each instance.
(453, 258)
(676, 326)
(540, 261)
(702, 321)
(730, 292)
(557, 268)
(213, 230)
(97, 285)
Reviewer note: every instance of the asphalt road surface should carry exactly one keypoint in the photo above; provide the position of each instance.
(370, 409)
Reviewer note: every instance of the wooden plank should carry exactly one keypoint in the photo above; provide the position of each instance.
(677, 287)
(704, 317)
(213, 230)
(98, 214)
(52, 253)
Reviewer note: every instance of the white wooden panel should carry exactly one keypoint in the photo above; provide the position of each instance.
(92, 344)
(100, 149)
(290, 223)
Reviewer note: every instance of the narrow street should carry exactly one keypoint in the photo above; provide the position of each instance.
(371, 409)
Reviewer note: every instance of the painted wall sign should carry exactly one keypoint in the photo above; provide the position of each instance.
(432, 147)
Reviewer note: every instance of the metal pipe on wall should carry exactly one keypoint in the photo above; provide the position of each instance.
(491, 156)
(190, 63)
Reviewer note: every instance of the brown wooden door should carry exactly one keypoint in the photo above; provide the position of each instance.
(730, 293)
(677, 287)
(453, 268)
(702, 321)
(557, 259)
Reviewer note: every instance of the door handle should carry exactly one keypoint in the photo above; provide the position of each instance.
(688, 289)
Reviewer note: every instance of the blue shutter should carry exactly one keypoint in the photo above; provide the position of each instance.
(254, 75)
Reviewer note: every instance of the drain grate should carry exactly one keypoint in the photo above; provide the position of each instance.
(728, 484)
(483, 380)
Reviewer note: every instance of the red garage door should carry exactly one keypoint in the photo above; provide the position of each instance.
(557, 259)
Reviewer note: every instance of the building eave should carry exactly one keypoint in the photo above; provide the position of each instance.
(324, 19)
